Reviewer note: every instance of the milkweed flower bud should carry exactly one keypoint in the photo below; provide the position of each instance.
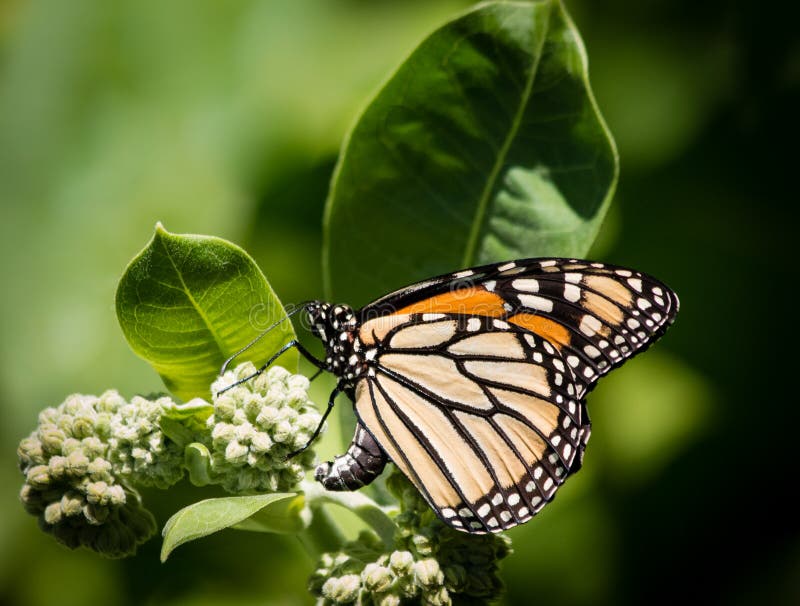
(138, 448)
(428, 563)
(72, 483)
(377, 578)
(80, 465)
(343, 589)
(255, 426)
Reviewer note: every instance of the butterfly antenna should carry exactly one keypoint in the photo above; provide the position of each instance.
(262, 335)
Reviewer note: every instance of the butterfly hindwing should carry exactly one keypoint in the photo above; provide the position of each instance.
(480, 414)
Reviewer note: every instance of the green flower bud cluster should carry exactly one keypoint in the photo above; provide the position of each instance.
(256, 425)
(139, 450)
(429, 563)
(71, 483)
(469, 563)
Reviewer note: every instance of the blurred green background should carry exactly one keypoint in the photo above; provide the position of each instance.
(226, 119)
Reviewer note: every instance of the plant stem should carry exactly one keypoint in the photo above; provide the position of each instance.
(360, 504)
(323, 534)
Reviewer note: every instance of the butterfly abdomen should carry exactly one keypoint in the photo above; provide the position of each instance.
(360, 465)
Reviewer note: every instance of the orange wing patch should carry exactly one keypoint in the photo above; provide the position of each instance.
(554, 332)
(469, 301)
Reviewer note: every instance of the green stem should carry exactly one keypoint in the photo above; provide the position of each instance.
(323, 534)
(360, 504)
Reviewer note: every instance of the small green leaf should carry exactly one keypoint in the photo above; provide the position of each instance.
(283, 517)
(485, 145)
(197, 460)
(212, 515)
(183, 422)
(186, 303)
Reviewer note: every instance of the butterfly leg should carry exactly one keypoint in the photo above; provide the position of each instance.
(331, 401)
(293, 343)
(361, 464)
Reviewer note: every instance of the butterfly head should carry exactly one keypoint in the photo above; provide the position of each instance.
(334, 325)
(328, 321)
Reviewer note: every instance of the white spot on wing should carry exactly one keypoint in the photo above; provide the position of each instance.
(590, 325)
(592, 351)
(526, 284)
(535, 302)
(636, 284)
(531, 341)
(572, 293)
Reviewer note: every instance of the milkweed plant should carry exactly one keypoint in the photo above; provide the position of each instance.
(492, 118)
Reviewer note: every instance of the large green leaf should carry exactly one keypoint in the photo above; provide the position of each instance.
(486, 144)
(186, 303)
(276, 512)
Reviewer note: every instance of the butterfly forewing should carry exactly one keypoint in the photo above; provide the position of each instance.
(597, 315)
(480, 414)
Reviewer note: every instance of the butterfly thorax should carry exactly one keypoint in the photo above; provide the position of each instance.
(335, 326)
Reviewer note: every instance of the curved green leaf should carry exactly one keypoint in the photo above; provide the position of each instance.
(197, 461)
(186, 303)
(182, 423)
(486, 144)
(281, 511)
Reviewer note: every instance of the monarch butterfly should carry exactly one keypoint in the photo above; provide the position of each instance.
(474, 383)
